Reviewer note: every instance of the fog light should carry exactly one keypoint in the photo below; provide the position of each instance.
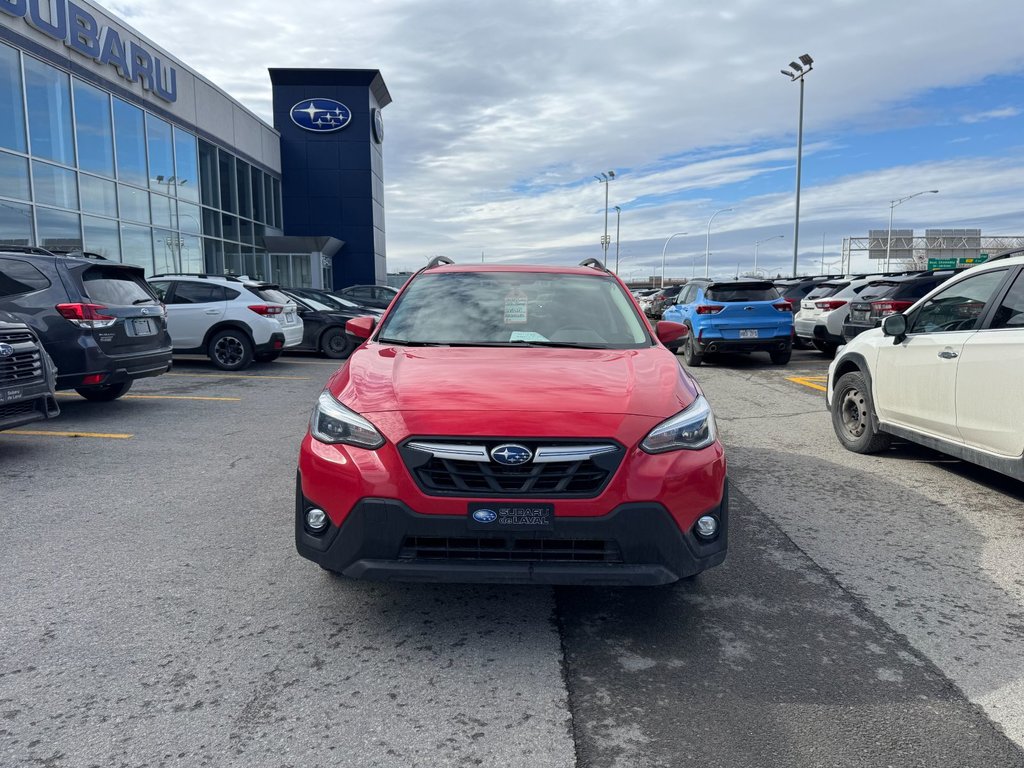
(316, 520)
(707, 527)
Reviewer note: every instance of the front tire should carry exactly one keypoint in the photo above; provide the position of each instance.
(335, 344)
(230, 350)
(691, 356)
(853, 415)
(104, 393)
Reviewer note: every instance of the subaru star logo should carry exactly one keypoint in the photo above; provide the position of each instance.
(485, 515)
(6, 350)
(321, 115)
(511, 455)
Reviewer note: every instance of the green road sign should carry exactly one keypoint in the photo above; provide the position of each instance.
(941, 263)
(954, 263)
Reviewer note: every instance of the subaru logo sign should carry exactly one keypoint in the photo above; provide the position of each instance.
(6, 350)
(321, 115)
(511, 455)
(485, 515)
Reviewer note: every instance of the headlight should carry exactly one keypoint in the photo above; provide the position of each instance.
(689, 430)
(332, 422)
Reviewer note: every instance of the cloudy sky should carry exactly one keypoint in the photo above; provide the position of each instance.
(503, 112)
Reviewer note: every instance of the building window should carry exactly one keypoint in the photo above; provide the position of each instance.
(232, 259)
(134, 203)
(93, 129)
(164, 211)
(15, 224)
(102, 237)
(137, 246)
(209, 174)
(189, 218)
(278, 214)
(228, 192)
(186, 166)
(161, 155)
(244, 188)
(55, 185)
(58, 229)
(259, 207)
(213, 256)
(49, 112)
(13, 176)
(130, 141)
(12, 126)
(98, 195)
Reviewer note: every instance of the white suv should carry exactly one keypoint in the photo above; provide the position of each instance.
(946, 373)
(232, 320)
(823, 311)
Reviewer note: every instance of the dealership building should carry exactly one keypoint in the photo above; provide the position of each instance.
(111, 145)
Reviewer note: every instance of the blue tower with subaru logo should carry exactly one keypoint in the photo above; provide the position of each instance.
(332, 169)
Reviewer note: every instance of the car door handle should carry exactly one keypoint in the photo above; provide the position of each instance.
(947, 354)
(212, 312)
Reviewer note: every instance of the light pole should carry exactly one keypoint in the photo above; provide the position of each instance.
(800, 69)
(707, 243)
(663, 248)
(604, 178)
(892, 206)
(618, 217)
(758, 242)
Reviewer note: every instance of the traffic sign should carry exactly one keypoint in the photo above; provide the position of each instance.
(957, 263)
(941, 263)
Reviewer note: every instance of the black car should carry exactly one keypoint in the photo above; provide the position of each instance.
(891, 296)
(27, 376)
(99, 320)
(664, 299)
(323, 325)
(378, 296)
(324, 296)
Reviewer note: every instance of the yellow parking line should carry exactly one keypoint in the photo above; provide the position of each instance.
(809, 381)
(161, 397)
(237, 376)
(50, 433)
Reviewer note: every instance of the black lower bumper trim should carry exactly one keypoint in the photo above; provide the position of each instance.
(775, 344)
(369, 545)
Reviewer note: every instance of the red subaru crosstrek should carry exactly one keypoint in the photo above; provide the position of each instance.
(513, 424)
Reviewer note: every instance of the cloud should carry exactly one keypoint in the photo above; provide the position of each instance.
(992, 114)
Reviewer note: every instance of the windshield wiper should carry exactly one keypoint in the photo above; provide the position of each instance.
(409, 343)
(143, 301)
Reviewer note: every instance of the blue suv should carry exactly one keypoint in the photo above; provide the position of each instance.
(733, 316)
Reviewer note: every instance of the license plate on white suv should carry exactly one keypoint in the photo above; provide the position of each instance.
(748, 333)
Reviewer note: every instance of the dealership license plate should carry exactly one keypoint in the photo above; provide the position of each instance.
(748, 333)
(503, 516)
(141, 326)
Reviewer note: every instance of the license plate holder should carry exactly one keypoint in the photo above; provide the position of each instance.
(510, 516)
(140, 326)
(748, 333)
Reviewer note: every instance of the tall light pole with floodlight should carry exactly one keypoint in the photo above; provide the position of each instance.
(663, 249)
(618, 218)
(892, 206)
(707, 242)
(604, 178)
(758, 242)
(799, 71)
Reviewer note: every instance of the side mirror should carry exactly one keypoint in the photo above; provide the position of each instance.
(361, 327)
(671, 334)
(896, 326)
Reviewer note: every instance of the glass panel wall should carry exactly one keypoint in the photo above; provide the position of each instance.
(186, 166)
(130, 140)
(50, 127)
(101, 236)
(15, 224)
(134, 203)
(228, 191)
(98, 195)
(13, 176)
(58, 229)
(12, 107)
(94, 131)
(137, 246)
(161, 155)
(55, 185)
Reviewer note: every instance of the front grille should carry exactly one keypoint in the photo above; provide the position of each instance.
(441, 476)
(22, 368)
(16, 337)
(12, 410)
(510, 549)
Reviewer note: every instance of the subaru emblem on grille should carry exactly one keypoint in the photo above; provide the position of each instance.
(6, 350)
(511, 454)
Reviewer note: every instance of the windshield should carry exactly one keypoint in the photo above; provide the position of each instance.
(823, 290)
(515, 308)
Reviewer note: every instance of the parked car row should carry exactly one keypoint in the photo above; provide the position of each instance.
(77, 321)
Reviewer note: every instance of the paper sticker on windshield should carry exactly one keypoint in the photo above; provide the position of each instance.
(526, 336)
(515, 308)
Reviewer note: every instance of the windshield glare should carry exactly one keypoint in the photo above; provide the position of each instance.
(509, 308)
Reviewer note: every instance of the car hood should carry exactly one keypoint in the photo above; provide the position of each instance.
(381, 378)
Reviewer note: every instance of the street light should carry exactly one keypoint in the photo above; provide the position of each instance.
(604, 178)
(707, 244)
(892, 206)
(758, 242)
(663, 248)
(618, 217)
(798, 73)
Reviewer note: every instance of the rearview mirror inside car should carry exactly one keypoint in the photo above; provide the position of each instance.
(361, 327)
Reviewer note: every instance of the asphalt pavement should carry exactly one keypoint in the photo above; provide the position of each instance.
(153, 611)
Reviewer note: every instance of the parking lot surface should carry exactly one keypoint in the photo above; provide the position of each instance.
(153, 611)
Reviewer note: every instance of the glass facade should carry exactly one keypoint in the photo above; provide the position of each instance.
(80, 168)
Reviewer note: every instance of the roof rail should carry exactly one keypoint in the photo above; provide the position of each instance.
(26, 249)
(78, 253)
(203, 275)
(595, 263)
(438, 261)
(1006, 255)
